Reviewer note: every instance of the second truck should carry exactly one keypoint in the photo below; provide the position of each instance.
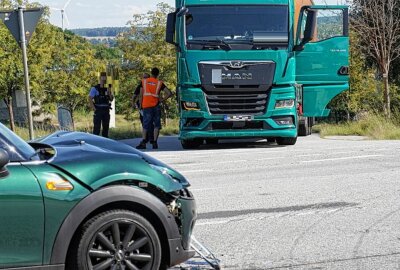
(256, 68)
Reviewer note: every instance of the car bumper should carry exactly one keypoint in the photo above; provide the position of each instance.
(180, 248)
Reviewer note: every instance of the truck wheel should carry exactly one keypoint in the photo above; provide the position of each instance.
(286, 141)
(191, 144)
(304, 129)
(211, 141)
(118, 239)
(310, 125)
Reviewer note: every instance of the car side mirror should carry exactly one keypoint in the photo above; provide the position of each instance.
(4, 160)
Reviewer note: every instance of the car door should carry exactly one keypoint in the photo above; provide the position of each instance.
(21, 215)
(322, 64)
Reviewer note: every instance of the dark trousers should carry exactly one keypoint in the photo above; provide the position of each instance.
(150, 131)
(101, 118)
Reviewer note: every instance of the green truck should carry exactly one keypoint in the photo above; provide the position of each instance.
(258, 68)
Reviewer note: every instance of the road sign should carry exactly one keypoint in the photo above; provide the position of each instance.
(31, 19)
(22, 23)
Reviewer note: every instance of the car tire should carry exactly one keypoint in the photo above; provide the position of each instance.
(191, 144)
(118, 237)
(286, 141)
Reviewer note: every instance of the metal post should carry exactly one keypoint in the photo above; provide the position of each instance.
(26, 71)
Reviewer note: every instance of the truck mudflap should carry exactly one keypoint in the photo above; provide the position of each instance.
(204, 258)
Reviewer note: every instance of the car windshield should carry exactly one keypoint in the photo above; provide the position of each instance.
(237, 24)
(16, 142)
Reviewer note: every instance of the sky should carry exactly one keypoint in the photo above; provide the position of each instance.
(99, 13)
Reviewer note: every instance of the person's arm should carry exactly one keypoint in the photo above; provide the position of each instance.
(92, 94)
(136, 96)
(166, 93)
(110, 92)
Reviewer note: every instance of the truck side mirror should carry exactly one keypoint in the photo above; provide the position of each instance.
(311, 25)
(4, 160)
(309, 31)
(170, 31)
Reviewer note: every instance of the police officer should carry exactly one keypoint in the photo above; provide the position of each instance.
(100, 98)
(152, 89)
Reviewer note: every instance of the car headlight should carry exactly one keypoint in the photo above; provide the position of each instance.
(164, 171)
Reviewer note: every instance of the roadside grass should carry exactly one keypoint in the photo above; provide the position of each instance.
(84, 123)
(373, 126)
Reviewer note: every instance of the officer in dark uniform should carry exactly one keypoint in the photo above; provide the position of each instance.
(100, 98)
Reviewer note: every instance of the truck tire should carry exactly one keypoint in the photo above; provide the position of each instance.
(304, 128)
(211, 141)
(286, 141)
(310, 124)
(191, 144)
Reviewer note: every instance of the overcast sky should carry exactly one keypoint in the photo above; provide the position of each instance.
(99, 13)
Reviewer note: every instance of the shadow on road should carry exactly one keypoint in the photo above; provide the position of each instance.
(172, 144)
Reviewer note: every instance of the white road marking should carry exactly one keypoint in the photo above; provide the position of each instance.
(194, 171)
(342, 158)
(204, 189)
(187, 164)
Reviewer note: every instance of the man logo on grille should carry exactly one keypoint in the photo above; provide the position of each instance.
(236, 64)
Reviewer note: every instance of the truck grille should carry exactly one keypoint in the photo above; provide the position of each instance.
(237, 87)
(237, 102)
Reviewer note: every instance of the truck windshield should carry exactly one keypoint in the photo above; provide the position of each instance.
(221, 26)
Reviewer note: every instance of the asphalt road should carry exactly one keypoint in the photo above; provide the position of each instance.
(321, 204)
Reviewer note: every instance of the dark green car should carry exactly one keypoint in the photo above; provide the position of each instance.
(77, 201)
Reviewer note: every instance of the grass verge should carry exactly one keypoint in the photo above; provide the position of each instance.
(375, 127)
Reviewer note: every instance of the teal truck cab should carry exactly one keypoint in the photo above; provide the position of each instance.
(256, 68)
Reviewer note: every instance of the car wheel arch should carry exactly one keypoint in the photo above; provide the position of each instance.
(132, 198)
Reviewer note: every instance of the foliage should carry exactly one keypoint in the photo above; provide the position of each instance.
(143, 48)
(377, 23)
(365, 91)
(100, 32)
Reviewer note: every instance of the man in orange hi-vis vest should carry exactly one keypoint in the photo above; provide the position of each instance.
(151, 97)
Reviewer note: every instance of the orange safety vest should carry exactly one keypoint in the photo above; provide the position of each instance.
(151, 92)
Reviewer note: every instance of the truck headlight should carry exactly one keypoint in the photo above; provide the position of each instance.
(284, 104)
(190, 106)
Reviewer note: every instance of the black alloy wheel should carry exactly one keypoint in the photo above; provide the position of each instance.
(119, 240)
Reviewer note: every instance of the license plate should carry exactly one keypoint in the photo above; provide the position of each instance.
(216, 76)
(238, 117)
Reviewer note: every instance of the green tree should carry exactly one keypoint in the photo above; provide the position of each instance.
(143, 48)
(364, 94)
(377, 23)
(10, 70)
(74, 69)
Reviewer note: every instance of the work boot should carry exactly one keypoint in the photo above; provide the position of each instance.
(142, 145)
(155, 144)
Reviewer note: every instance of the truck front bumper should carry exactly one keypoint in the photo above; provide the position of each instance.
(268, 128)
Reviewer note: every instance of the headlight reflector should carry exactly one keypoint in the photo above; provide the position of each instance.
(284, 104)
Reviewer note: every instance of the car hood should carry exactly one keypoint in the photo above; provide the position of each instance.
(98, 161)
